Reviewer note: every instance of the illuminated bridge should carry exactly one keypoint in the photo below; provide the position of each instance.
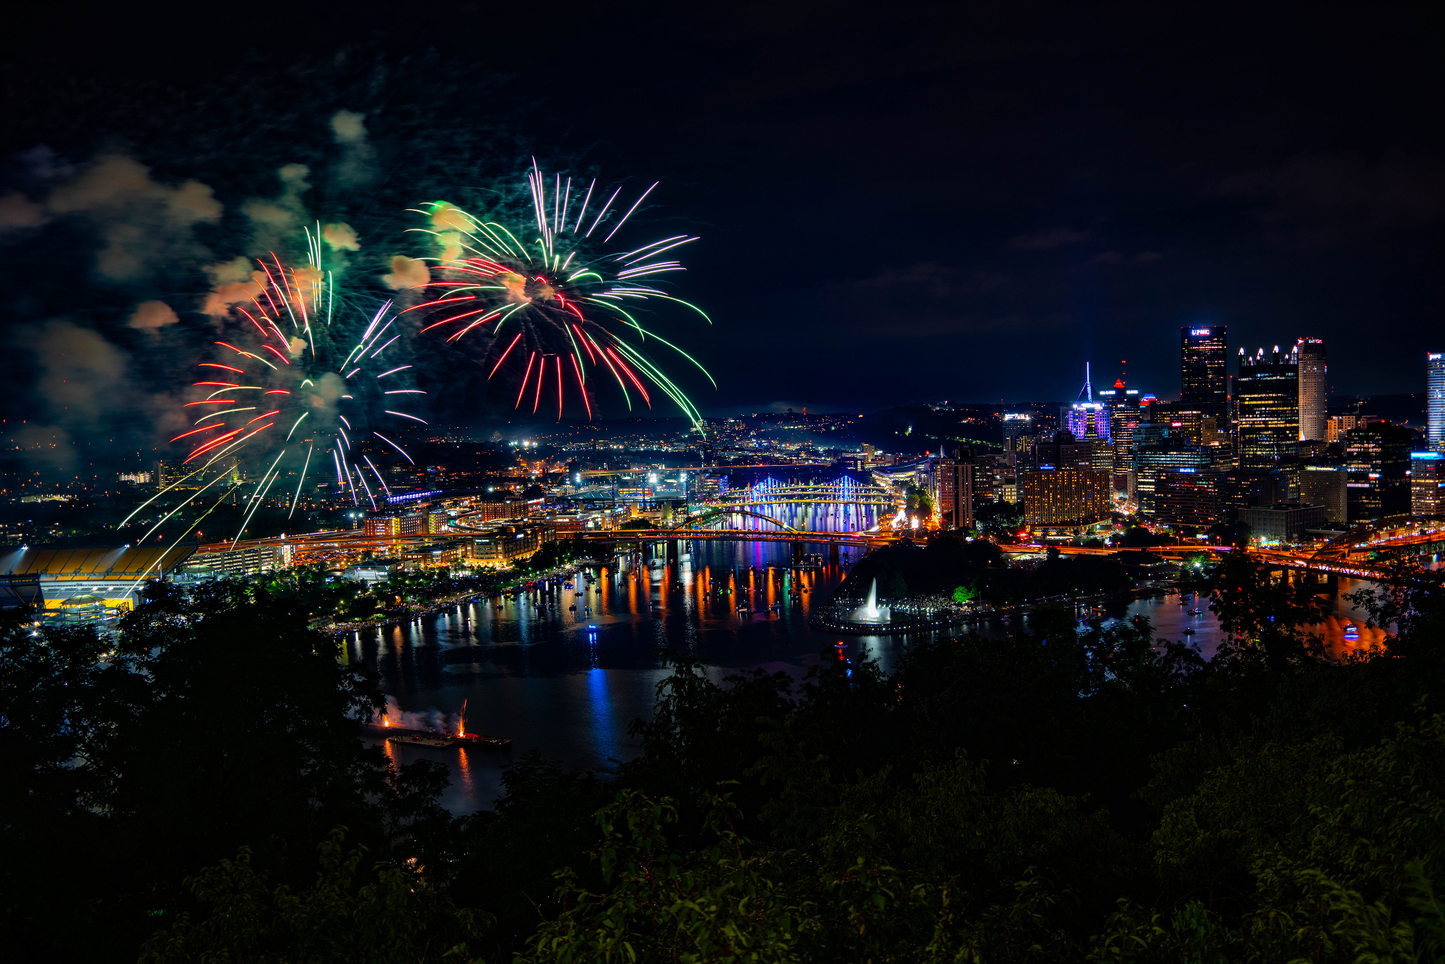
(843, 505)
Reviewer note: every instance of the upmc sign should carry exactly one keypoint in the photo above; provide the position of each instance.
(1201, 332)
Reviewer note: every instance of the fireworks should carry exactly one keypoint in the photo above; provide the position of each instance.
(293, 384)
(560, 310)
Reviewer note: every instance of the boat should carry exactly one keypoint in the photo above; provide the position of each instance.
(481, 739)
(1352, 631)
(1196, 612)
(411, 739)
(1189, 632)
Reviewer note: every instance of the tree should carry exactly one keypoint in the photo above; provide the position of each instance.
(1323, 853)
(216, 720)
(355, 912)
(720, 902)
(1265, 619)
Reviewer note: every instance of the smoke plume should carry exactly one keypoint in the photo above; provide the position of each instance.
(152, 315)
(406, 273)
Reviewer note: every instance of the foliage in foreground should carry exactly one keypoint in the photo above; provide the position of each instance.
(1069, 793)
(209, 724)
(354, 913)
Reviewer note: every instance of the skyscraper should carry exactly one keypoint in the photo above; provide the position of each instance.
(1267, 403)
(1204, 371)
(1435, 394)
(1427, 484)
(1015, 425)
(1083, 417)
(955, 491)
(1123, 405)
(1159, 448)
(1065, 496)
(1377, 460)
(1313, 388)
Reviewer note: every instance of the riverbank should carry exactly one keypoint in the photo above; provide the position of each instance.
(926, 616)
(391, 621)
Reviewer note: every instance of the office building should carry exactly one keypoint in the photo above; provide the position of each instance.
(1181, 419)
(1313, 388)
(1016, 425)
(1084, 418)
(1123, 405)
(501, 545)
(1060, 451)
(1435, 400)
(1244, 488)
(1204, 370)
(1337, 425)
(1427, 484)
(954, 477)
(1283, 523)
(1065, 496)
(1377, 460)
(1187, 498)
(1267, 407)
(1324, 485)
(989, 471)
(1159, 448)
(1103, 453)
(508, 509)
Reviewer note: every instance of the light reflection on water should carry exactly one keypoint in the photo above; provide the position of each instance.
(538, 677)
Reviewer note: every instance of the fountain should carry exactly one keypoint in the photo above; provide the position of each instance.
(870, 612)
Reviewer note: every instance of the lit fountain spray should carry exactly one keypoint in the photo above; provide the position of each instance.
(871, 612)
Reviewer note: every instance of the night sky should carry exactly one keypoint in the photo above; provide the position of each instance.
(897, 202)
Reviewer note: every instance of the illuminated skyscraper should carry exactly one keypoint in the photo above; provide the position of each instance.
(1204, 371)
(1267, 404)
(1083, 417)
(1326, 485)
(1123, 406)
(1313, 388)
(1085, 412)
(1015, 426)
(1377, 460)
(955, 491)
(1160, 448)
(1435, 394)
(1427, 484)
(1065, 496)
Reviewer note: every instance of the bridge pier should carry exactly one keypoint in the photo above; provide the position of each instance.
(797, 552)
(832, 553)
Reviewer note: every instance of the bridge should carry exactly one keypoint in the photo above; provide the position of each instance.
(1391, 536)
(844, 505)
(1367, 551)
(863, 539)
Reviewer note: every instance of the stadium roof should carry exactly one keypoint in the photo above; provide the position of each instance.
(90, 564)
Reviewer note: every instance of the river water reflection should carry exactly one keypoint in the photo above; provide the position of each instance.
(531, 667)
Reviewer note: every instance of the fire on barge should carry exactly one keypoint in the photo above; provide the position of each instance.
(437, 740)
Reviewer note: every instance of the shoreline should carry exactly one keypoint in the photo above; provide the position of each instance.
(940, 621)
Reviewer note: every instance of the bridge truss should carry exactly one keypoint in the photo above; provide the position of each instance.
(843, 505)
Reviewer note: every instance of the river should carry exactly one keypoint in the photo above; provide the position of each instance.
(549, 681)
